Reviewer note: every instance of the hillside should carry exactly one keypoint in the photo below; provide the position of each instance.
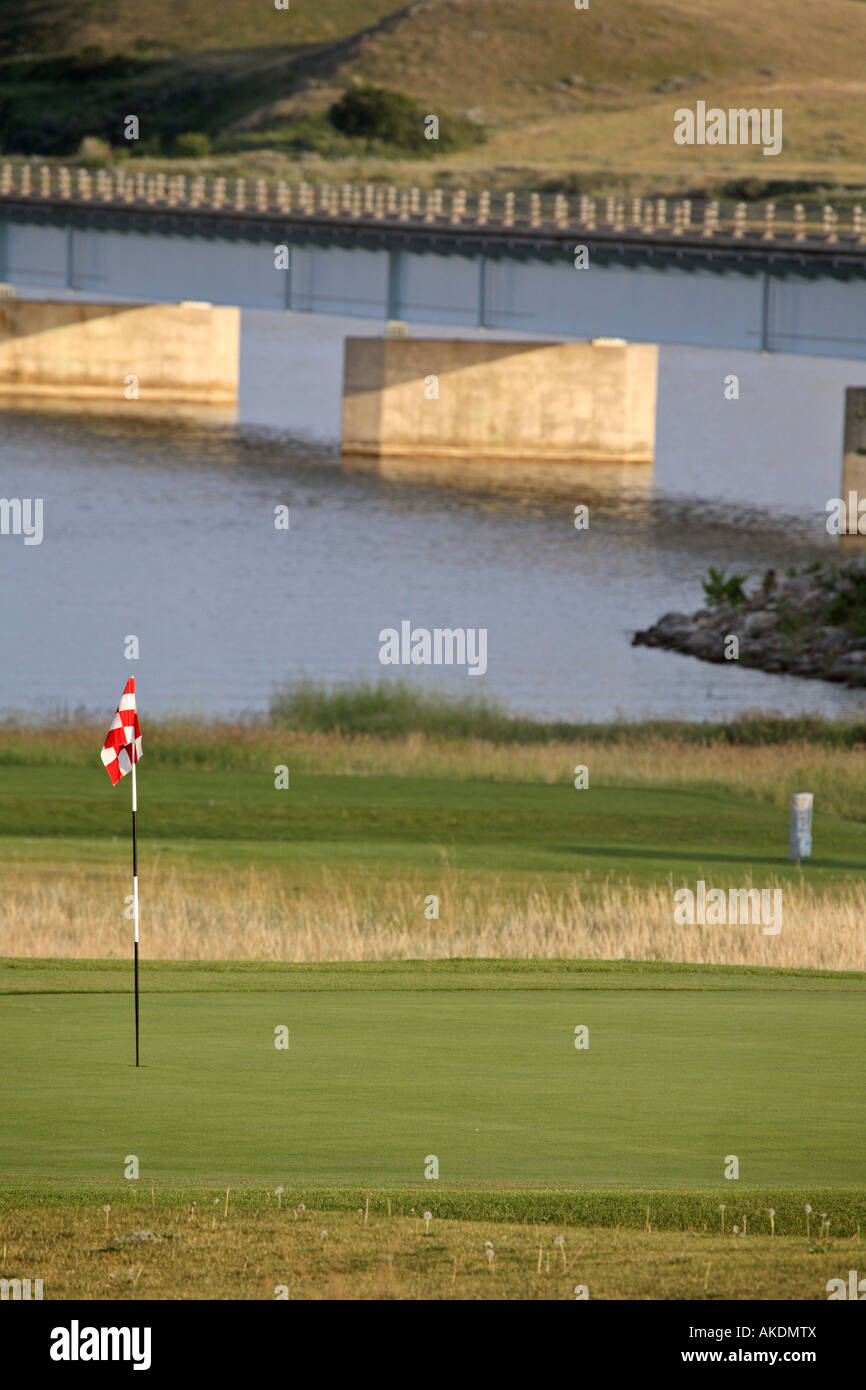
(582, 100)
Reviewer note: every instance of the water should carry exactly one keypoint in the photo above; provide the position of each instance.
(165, 530)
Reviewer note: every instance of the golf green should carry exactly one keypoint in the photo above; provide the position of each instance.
(473, 1064)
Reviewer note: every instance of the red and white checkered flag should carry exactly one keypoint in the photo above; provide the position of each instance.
(124, 737)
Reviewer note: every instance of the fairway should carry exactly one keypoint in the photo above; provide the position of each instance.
(474, 1064)
(370, 826)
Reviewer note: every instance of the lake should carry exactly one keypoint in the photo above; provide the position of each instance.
(165, 529)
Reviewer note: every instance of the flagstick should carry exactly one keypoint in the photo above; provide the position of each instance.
(135, 890)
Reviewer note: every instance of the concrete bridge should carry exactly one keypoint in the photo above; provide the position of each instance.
(776, 279)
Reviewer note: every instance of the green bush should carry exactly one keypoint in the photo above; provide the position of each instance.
(718, 588)
(392, 708)
(379, 115)
(848, 609)
(192, 144)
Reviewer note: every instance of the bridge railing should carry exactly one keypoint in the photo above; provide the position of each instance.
(378, 203)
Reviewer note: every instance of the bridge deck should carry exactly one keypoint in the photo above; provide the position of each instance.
(779, 239)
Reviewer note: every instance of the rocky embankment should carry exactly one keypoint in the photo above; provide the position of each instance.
(811, 623)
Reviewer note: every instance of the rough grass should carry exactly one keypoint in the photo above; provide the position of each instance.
(264, 915)
(398, 796)
(253, 1244)
(391, 709)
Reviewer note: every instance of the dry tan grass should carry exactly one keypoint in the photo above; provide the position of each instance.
(250, 915)
(258, 1254)
(506, 59)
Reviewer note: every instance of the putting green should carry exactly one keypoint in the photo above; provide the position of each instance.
(475, 1064)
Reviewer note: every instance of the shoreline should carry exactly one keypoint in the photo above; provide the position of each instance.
(811, 623)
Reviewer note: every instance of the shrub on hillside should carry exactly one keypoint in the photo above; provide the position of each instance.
(192, 144)
(377, 114)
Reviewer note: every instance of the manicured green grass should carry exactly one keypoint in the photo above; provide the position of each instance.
(35, 975)
(380, 825)
(377, 1079)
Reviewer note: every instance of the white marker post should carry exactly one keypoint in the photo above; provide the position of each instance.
(800, 843)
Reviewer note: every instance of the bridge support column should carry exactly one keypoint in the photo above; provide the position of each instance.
(160, 352)
(287, 292)
(70, 258)
(766, 309)
(395, 283)
(482, 291)
(854, 457)
(440, 398)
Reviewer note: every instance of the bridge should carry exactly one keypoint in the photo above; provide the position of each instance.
(779, 278)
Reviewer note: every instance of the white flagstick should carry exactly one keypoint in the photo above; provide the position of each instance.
(135, 889)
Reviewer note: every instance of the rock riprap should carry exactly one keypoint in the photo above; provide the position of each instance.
(811, 623)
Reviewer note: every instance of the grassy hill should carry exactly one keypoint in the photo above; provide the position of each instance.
(582, 100)
(169, 27)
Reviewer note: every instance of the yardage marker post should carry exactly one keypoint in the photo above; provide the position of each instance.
(135, 893)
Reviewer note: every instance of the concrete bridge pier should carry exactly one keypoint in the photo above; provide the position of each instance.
(175, 353)
(590, 402)
(854, 457)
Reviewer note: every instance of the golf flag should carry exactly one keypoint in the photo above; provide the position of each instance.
(120, 753)
(124, 737)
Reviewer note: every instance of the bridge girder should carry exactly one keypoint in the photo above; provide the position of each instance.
(809, 261)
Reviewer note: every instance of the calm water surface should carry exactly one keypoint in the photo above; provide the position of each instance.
(165, 530)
